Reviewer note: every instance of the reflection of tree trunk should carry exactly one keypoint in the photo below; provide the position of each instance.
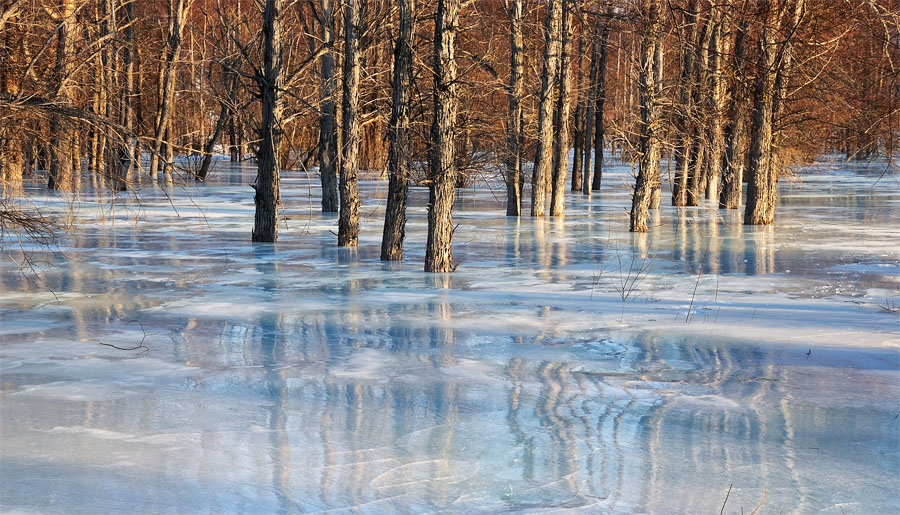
(544, 154)
(648, 166)
(268, 178)
(561, 117)
(398, 131)
(514, 121)
(328, 135)
(443, 170)
(348, 221)
(65, 153)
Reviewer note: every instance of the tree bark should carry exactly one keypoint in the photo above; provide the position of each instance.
(716, 133)
(398, 132)
(443, 170)
(268, 178)
(578, 125)
(348, 221)
(684, 120)
(544, 154)
(64, 148)
(563, 104)
(177, 13)
(514, 119)
(328, 134)
(600, 101)
(648, 165)
(736, 128)
(126, 151)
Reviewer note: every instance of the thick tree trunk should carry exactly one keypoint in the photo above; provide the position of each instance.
(760, 179)
(514, 120)
(443, 170)
(590, 107)
(268, 177)
(702, 96)
(64, 145)
(398, 131)
(736, 128)
(177, 13)
(328, 134)
(648, 166)
(544, 154)
(600, 103)
(348, 221)
(561, 146)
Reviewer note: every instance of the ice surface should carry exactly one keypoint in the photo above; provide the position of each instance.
(303, 377)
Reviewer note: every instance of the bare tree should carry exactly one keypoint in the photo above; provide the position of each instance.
(515, 119)
(398, 132)
(442, 173)
(561, 115)
(268, 177)
(328, 134)
(348, 221)
(549, 78)
(648, 166)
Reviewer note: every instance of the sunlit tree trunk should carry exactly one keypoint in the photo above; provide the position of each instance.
(736, 128)
(514, 119)
(126, 151)
(561, 145)
(268, 178)
(544, 155)
(600, 102)
(578, 117)
(348, 221)
(177, 14)
(398, 131)
(760, 179)
(716, 132)
(442, 174)
(328, 134)
(684, 109)
(65, 151)
(648, 164)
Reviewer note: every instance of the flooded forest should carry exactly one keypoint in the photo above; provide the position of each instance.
(481, 256)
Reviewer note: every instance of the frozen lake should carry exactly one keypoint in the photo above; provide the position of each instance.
(301, 377)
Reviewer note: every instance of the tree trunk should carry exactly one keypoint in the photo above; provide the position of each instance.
(736, 128)
(716, 126)
(578, 125)
(210, 144)
(544, 155)
(443, 170)
(760, 180)
(561, 146)
(328, 135)
(590, 107)
(600, 102)
(64, 148)
(514, 120)
(398, 131)
(177, 13)
(126, 151)
(348, 221)
(648, 165)
(684, 121)
(268, 178)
